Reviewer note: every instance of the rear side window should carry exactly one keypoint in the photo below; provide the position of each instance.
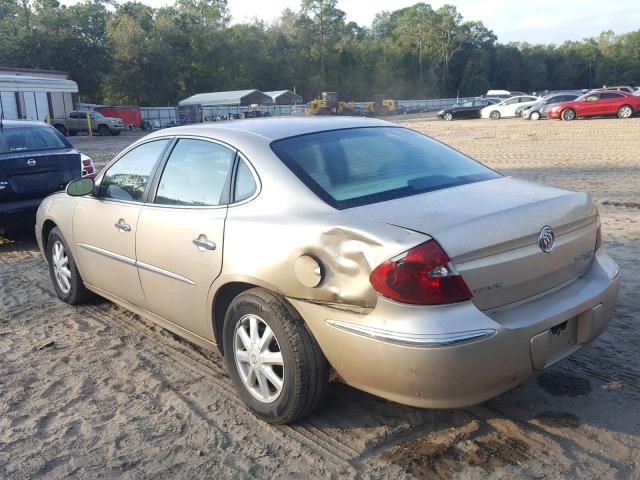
(196, 174)
(358, 166)
(127, 178)
(29, 138)
(245, 183)
(610, 95)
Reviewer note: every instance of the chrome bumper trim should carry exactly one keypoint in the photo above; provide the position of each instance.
(443, 340)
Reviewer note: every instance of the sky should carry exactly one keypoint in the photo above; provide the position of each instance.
(536, 21)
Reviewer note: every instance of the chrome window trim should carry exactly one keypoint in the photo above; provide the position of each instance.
(409, 340)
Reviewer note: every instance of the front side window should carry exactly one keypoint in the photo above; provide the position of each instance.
(29, 138)
(196, 174)
(511, 101)
(127, 178)
(358, 166)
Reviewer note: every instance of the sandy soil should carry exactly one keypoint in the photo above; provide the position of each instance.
(95, 391)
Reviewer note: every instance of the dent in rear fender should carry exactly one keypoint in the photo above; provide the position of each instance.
(265, 247)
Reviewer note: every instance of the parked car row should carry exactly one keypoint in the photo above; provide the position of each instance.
(565, 105)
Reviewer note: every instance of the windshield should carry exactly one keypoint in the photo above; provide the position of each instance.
(359, 166)
(97, 115)
(24, 138)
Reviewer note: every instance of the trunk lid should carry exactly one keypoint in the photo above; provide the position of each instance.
(25, 175)
(491, 229)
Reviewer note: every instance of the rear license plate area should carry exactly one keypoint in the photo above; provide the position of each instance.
(562, 340)
(35, 182)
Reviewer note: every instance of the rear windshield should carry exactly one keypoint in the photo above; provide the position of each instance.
(359, 166)
(26, 138)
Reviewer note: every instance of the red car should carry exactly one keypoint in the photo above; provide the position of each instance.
(597, 103)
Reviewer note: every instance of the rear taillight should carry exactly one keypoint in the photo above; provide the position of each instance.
(423, 275)
(87, 167)
(598, 232)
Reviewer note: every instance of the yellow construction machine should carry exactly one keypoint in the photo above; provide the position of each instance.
(328, 104)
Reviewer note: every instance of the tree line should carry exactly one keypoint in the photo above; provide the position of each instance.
(131, 53)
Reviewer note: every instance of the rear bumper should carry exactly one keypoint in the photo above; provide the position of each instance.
(456, 355)
(19, 213)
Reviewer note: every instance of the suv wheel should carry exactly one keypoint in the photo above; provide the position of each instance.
(103, 130)
(275, 364)
(67, 281)
(61, 128)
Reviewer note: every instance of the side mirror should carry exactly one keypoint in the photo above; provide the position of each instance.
(80, 187)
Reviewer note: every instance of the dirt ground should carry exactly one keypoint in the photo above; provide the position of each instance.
(95, 391)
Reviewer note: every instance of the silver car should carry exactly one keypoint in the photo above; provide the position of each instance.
(300, 246)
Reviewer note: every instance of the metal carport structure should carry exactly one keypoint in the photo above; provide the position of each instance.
(235, 97)
(284, 97)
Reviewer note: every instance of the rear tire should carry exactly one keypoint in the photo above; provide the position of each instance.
(495, 115)
(301, 377)
(67, 281)
(568, 114)
(625, 111)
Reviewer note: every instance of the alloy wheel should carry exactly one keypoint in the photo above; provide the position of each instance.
(448, 116)
(568, 114)
(495, 115)
(535, 116)
(258, 358)
(625, 111)
(61, 270)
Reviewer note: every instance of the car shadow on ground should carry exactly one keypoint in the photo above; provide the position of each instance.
(18, 240)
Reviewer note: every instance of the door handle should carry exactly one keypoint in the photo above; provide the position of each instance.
(204, 244)
(122, 226)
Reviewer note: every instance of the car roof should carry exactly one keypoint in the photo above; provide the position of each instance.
(19, 123)
(276, 128)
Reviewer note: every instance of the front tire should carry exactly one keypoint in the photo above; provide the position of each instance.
(67, 281)
(62, 129)
(275, 364)
(625, 111)
(103, 131)
(495, 115)
(568, 114)
(535, 116)
(448, 116)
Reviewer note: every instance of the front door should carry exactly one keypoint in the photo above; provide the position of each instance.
(179, 240)
(104, 227)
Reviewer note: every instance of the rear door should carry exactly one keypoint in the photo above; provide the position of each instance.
(180, 233)
(104, 226)
(610, 102)
(35, 160)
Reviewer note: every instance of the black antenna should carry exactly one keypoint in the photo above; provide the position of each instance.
(1, 119)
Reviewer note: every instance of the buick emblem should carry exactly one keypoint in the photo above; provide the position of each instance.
(31, 162)
(546, 239)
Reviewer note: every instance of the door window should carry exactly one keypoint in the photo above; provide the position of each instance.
(128, 177)
(511, 101)
(608, 95)
(196, 174)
